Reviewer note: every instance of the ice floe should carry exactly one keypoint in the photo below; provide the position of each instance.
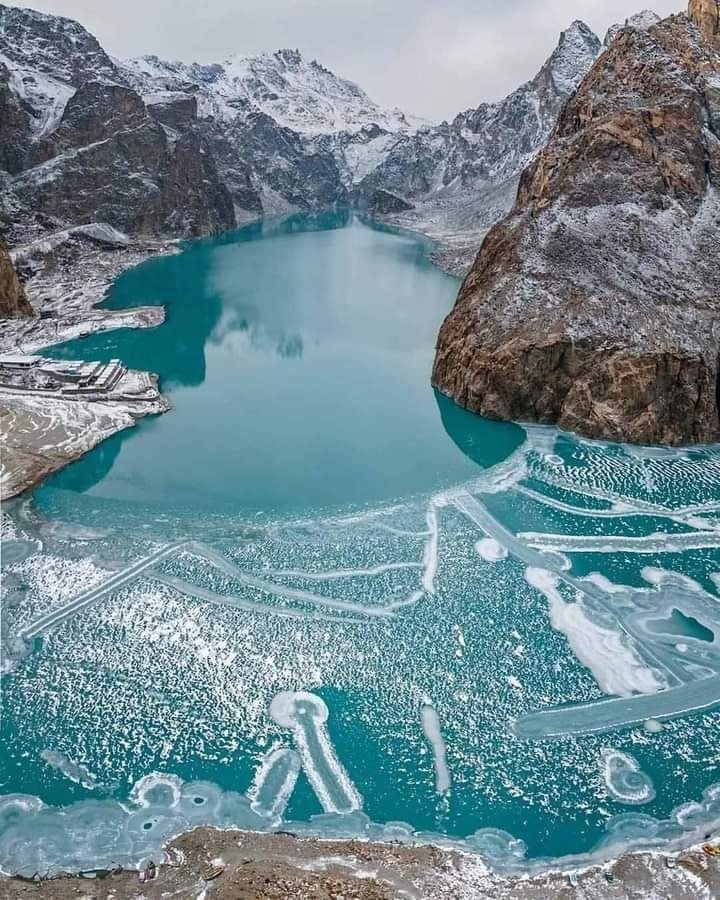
(431, 726)
(624, 779)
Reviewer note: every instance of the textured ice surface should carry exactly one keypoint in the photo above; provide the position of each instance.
(624, 779)
(341, 671)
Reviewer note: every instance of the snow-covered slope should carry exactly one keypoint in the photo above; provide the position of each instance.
(296, 93)
(78, 145)
(495, 140)
(47, 58)
(463, 176)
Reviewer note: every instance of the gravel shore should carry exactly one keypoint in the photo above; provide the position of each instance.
(224, 865)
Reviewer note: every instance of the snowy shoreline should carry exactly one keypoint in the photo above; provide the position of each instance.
(42, 432)
(207, 862)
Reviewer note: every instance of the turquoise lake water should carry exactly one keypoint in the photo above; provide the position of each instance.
(316, 595)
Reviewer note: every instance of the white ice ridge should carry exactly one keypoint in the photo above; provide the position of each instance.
(307, 714)
(274, 783)
(659, 542)
(430, 557)
(431, 726)
(339, 574)
(619, 712)
(621, 508)
(87, 598)
(231, 601)
(624, 779)
(615, 666)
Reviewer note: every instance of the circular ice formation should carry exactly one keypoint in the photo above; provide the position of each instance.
(630, 827)
(287, 706)
(498, 846)
(624, 779)
(691, 816)
(490, 550)
(200, 800)
(14, 807)
(157, 790)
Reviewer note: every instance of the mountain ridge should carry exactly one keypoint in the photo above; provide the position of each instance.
(253, 136)
(594, 304)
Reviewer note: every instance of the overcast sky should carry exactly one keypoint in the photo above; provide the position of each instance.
(429, 57)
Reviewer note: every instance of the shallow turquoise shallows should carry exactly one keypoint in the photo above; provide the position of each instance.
(317, 596)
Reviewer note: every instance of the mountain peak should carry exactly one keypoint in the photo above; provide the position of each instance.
(575, 53)
(642, 20)
(60, 47)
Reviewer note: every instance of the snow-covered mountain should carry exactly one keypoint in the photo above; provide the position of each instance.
(47, 58)
(462, 176)
(296, 93)
(183, 148)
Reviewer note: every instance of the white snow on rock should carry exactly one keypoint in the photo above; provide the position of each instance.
(643, 20)
(296, 93)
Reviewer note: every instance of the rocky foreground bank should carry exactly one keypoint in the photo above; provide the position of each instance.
(219, 865)
(595, 304)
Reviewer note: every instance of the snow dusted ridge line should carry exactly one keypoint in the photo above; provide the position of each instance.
(297, 93)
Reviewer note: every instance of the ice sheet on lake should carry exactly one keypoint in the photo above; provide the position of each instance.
(314, 589)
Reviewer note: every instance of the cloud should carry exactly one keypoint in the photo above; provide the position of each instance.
(429, 57)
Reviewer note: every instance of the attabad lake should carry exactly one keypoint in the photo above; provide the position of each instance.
(317, 596)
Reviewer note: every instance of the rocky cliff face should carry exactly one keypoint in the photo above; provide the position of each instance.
(79, 145)
(12, 296)
(596, 303)
(462, 177)
(706, 15)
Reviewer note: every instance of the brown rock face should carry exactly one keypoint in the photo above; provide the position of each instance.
(596, 303)
(110, 160)
(12, 296)
(706, 15)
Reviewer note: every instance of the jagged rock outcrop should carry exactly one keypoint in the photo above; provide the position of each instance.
(462, 177)
(383, 203)
(645, 19)
(706, 15)
(109, 160)
(596, 303)
(494, 142)
(12, 296)
(79, 145)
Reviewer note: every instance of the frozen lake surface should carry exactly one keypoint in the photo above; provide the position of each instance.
(317, 596)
